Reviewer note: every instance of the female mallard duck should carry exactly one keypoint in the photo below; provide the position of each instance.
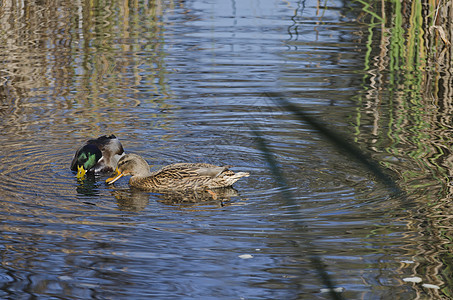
(97, 155)
(176, 177)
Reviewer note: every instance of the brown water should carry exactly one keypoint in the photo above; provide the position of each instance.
(183, 82)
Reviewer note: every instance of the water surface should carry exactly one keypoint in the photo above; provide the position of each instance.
(186, 82)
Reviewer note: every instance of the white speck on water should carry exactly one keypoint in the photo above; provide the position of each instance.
(245, 256)
(336, 290)
(407, 261)
(431, 286)
(412, 279)
(64, 278)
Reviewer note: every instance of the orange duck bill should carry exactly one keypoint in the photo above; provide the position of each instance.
(115, 177)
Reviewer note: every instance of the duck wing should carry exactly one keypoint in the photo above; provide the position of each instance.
(111, 150)
(182, 170)
(107, 144)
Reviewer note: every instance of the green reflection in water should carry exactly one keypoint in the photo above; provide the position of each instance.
(406, 104)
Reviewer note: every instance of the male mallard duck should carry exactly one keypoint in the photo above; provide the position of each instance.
(176, 177)
(97, 155)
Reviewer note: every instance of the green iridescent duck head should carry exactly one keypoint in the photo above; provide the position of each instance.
(85, 160)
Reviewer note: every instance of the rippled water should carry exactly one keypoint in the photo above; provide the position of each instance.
(186, 82)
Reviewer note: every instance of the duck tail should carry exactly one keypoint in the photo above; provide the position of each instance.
(235, 177)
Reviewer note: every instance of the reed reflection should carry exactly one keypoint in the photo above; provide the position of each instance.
(69, 62)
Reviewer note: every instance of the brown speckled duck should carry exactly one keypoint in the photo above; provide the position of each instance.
(175, 177)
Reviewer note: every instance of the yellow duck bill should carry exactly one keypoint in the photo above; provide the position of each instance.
(80, 172)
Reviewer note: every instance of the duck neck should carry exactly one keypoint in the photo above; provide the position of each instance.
(141, 180)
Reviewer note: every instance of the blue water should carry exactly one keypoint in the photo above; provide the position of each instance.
(186, 82)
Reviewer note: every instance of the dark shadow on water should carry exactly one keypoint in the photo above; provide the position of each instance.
(341, 144)
(287, 196)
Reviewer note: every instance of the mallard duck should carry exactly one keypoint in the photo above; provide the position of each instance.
(175, 177)
(97, 155)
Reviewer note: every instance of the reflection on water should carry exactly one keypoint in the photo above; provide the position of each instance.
(181, 82)
(136, 200)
